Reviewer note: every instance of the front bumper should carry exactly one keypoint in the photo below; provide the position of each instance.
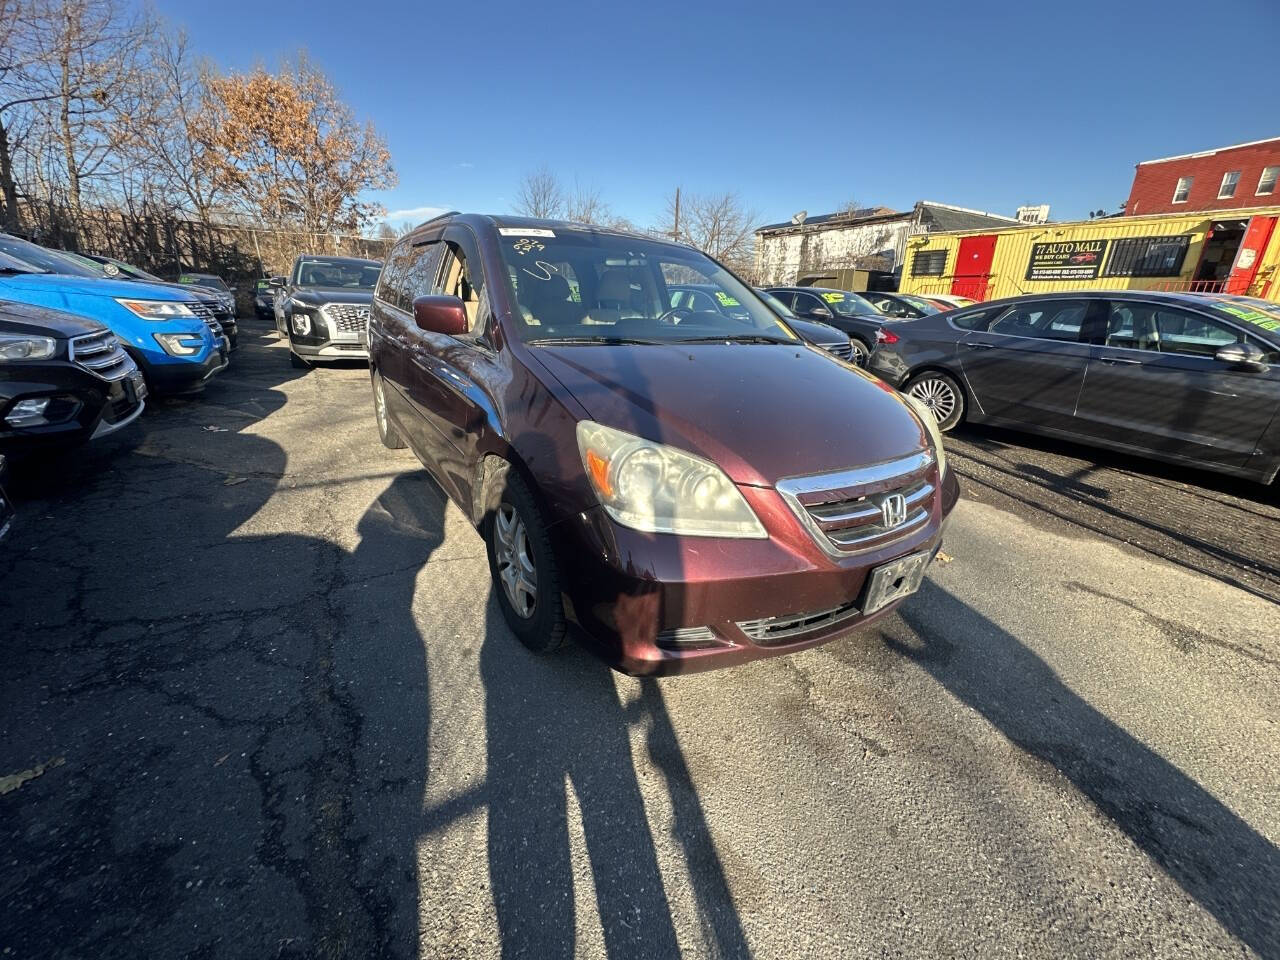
(186, 376)
(103, 406)
(658, 604)
(331, 350)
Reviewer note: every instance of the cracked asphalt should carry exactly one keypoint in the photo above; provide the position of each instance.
(256, 700)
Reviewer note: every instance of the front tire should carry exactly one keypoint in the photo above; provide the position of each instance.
(524, 571)
(941, 394)
(387, 433)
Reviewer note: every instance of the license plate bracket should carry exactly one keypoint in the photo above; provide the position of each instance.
(894, 580)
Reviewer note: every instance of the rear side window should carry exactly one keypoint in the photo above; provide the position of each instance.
(1044, 320)
(973, 319)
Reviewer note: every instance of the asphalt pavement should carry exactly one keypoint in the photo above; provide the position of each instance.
(257, 700)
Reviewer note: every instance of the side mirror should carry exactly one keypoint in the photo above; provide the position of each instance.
(440, 314)
(276, 281)
(1246, 356)
(820, 313)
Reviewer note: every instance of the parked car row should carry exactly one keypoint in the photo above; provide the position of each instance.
(85, 341)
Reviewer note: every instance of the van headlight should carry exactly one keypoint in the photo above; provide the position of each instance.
(658, 489)
(930, 422)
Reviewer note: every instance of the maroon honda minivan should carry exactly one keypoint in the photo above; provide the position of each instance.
(691, 488)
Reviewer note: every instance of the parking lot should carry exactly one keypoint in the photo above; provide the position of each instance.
(257, 700)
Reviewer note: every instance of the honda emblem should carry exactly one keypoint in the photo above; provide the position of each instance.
(894, 510)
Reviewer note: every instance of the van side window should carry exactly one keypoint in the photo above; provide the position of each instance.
(420, 277)
(461, 275)
(391, 280)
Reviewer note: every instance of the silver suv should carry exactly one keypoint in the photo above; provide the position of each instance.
(322, 307)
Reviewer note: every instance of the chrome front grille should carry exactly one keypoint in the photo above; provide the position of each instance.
(842, 350)
(347, 317)
(770, 630)
(101, 354)
(202, 309)
(865, 508)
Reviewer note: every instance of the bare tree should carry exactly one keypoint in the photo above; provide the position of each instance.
(717, 224)
(169, 156)
(540, 195)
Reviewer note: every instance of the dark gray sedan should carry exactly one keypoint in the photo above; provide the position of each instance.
(1187, 378)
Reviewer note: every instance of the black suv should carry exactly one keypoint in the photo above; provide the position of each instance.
(63, 379)
(325, 307)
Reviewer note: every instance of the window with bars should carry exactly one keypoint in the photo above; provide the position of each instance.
(1147, 256)
(929, 263)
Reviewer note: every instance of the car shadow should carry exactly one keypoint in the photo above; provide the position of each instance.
(1221, 861)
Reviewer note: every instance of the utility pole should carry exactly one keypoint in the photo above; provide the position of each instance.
(675, 225)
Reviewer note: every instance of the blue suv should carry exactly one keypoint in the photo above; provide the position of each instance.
(173, 337)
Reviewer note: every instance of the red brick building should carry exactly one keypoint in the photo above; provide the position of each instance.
(1229, 178)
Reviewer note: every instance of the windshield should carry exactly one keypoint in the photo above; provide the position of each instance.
(136, 272)
(319, 272)
(921, 304)
(48, 260)
(775, 304)
(846, 304)
(1262, 314)
(204, 280)
(585, 287)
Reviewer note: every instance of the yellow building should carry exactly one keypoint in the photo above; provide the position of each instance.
(1222, 251)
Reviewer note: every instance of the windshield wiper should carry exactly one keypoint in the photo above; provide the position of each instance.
(734, 338)
(608, 341)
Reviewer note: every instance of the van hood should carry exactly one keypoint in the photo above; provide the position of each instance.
(762, 412)
(93, 287)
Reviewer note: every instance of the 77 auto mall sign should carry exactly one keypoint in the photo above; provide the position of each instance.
(1066, 260)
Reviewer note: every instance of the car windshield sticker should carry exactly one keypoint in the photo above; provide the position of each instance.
(833, 297)
(526, 245)
(726, 300)
(525, 232)
(543, 272)
(1266, 321)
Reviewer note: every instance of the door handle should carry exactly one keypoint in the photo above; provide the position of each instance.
(1136, 363)
(979, 346)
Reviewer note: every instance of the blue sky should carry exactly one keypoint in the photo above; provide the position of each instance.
(794, 106)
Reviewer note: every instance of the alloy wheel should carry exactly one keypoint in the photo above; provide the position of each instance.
(857, 353)
(515, 561)
(937, 395)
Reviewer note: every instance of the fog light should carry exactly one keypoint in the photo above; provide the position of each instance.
(688, 638)
(180, 344)
(41, 411)
(301, 324)
(27, 413)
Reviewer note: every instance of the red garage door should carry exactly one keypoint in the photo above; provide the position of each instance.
(973, 267)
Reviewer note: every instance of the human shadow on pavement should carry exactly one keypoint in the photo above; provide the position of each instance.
(1221, 861)
(557, 726)
(229, 723)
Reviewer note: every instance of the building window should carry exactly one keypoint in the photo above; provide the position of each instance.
(1267, 182)
(1147, 256)
(1229, 181)
(929, 263)
(1182, 189)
